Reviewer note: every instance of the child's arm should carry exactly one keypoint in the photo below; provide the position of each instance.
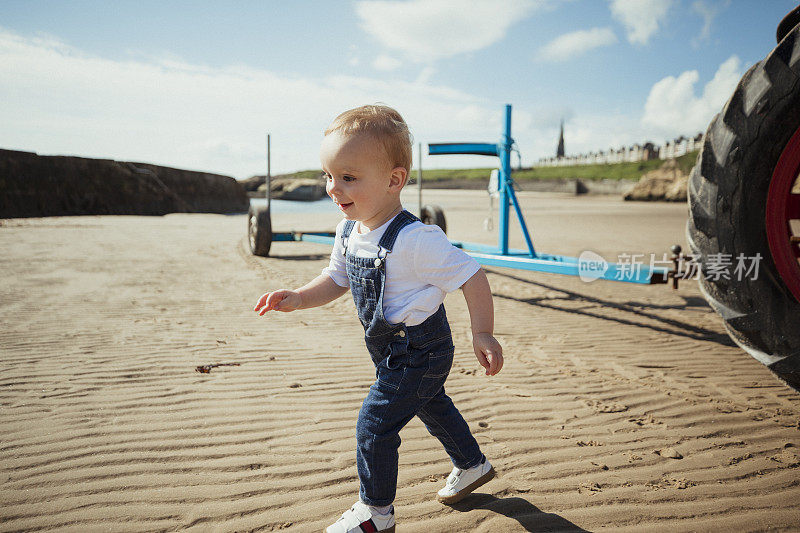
(481, 313)
(318, 291)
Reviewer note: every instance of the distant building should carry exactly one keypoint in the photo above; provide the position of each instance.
(650, 151)
(636, 152)
(560, 149)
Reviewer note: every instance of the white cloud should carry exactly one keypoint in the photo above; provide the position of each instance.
(60, 100)
(385, 63)
(708, 13)
(353, 60)
(56, 99)
(576, 43)
(427, 30)
(425, 75)
(641, 18)
(672, 108)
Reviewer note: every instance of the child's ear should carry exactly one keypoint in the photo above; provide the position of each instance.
(398, 178)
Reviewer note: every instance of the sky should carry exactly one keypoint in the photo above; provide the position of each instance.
(199, 84)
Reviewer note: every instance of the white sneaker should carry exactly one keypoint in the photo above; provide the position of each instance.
(462, 482)
(361, 519)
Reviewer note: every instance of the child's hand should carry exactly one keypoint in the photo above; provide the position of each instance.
(489, 352)
(282, 300)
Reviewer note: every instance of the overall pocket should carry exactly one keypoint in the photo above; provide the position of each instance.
(439, 364)
(365, 298)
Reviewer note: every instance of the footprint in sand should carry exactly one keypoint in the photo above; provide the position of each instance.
(787, 457)
(632, 457)
(735, 460)
(646, 420)
(728, 408)
(672, 482)
(590, 488)
(603, 407)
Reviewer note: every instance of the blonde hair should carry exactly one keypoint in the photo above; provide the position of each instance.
(382, 123)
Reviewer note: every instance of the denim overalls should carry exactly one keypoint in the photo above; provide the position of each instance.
(411, 366)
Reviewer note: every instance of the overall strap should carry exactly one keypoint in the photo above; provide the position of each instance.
(403, 219)
(348, 227)
(346, 230)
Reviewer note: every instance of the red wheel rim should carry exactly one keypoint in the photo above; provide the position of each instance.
(783, 207)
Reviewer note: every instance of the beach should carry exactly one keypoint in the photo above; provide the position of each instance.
(620, 407)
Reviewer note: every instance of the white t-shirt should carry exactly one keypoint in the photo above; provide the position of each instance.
(421, 269)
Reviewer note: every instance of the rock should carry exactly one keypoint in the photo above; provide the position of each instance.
(252, 183)
(666, 183)
(676, 192)
(302, 189)
(303, 186)
(669, 453)
(36, 186)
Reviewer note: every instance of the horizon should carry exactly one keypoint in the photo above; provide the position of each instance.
(199, 85)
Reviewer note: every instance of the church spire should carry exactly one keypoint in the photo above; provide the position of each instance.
(560, 150)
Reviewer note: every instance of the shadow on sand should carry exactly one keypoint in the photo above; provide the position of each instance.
(303, 257)
(528, 515)
(638, 314)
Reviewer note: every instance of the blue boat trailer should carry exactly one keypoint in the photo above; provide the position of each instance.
(488, 255)
(530, 259)
(591, 267)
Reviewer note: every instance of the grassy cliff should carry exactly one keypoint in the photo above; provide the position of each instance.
(614, 171)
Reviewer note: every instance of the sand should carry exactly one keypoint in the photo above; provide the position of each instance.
(108, 427)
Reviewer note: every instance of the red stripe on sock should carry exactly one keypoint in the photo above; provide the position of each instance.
(368, 527)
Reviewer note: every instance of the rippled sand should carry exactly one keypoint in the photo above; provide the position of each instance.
(108, 427)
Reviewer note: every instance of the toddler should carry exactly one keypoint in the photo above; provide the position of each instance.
(399, 271)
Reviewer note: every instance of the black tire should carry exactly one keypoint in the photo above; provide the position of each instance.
(786, 25)
(259, 231)
(727, 202)
(434, 216)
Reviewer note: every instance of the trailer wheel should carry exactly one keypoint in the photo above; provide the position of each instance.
(259, 230)
(744, 202)
(434, 215)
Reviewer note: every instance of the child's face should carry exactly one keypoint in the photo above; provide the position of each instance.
(360, 178)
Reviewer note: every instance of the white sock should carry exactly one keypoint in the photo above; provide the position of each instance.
(381, 510)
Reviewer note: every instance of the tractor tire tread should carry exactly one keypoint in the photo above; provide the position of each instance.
(727, 215)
